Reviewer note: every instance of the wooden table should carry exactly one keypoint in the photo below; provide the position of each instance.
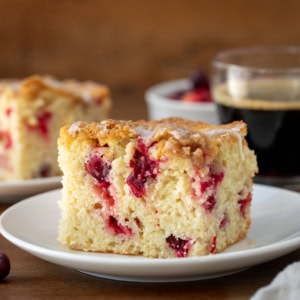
(33, 278)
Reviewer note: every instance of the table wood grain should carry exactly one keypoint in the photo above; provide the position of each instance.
(33, 278)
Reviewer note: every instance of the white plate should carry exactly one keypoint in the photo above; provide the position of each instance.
(11, 191)
(275, 231)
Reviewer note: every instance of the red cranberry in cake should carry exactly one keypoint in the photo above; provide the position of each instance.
(208, 189)
(181, 246)
(137, 185)
(42, 126)
(117, 228)
(6, 139)
(8, 111)
(102, 189)
(143, 169)
(214, 179)
(97, 167)
(210, 203)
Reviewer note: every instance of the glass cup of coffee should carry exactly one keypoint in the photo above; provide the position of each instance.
(261, 86)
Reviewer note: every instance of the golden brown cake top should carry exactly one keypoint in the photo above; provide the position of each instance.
(31, 87)
(169, 137)
(184, 131)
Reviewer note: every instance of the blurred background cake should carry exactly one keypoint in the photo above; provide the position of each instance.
(32, 111)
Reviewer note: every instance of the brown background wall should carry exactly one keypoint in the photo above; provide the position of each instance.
(132, 44)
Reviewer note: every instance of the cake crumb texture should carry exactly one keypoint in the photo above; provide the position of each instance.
(32, 111)
(162, 189)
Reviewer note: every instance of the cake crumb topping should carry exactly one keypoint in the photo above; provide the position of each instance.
(88, 91)
(75, 127)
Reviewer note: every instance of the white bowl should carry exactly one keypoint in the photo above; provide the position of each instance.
(160, 106)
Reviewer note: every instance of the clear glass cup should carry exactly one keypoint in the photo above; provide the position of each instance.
(261, 86)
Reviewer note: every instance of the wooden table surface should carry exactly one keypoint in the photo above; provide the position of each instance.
(33, 278)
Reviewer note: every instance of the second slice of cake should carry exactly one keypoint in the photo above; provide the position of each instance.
(168, 188)
(32, 111)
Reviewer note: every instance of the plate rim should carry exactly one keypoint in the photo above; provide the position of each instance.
(280, 248)
(12, 191)
(30, 181)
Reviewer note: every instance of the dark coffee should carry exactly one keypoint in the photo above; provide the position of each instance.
(273, 132)
(275, 136)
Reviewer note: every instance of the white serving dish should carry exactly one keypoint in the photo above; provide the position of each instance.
(160, 106)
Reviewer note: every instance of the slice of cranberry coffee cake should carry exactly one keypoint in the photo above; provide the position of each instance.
(31, 113)
(167, 188)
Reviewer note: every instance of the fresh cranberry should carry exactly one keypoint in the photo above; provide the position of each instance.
(213, 245)
(197, 95)
(42, 126)
(181, 246)
(118, 228)
(97, 167)
(199, 79)
(177, 95)
(143, 169)
(243, 203)
(4, 265)
(199, 91)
